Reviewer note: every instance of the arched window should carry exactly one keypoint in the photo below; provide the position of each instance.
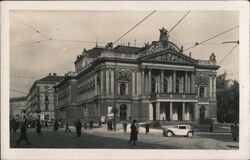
(177, 86)
(153, 85)
(122, 89)
(202, 91)
(202, 112)
(165, 85)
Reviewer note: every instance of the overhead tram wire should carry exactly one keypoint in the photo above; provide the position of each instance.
(179, 21)
(31, 43)
(77, 41)
(217, 35)
(12, 90)
(135, 26)
(231, 51)
(35, 30)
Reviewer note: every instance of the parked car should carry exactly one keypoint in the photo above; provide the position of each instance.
(178, 130)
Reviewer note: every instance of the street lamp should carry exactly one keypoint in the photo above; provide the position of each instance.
(115, 110)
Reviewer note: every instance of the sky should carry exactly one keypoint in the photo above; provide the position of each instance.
(72, 31)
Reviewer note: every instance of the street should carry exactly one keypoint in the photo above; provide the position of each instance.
(100, 138)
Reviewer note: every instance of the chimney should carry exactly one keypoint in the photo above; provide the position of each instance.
(54, 74)
(128, 43)
(49, 74)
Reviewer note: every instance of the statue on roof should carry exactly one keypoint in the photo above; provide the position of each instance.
(212, 58)
(164, 36)
(109, 45)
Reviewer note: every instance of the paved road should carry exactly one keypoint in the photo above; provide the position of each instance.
(101, 138)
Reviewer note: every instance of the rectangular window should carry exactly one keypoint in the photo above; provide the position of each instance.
(182, 127)
(46, 107)
(46, 88)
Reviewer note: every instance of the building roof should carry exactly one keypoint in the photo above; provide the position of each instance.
(127, 49)
(51, 78)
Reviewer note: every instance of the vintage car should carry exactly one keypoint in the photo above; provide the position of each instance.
(178, 130)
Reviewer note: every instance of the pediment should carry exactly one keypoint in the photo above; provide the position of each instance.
(168, 56)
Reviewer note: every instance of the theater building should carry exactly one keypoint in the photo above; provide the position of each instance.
(154, 82)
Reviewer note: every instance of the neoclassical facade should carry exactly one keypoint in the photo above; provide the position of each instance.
(154, 82)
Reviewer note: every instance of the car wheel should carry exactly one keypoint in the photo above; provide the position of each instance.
(169, 133)
(190, 134)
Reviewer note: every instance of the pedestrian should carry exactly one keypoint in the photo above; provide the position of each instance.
(23, 134)
(211, 128)
(78, 128)
(56, 125)
(235, 131)
(124, 127)
(100, 123)
(147, 128)
(67, 127)
(38, 128)
(133, 134)
(90, 124)
(14, 125)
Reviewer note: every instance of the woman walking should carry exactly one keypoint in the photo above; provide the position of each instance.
(133, 134)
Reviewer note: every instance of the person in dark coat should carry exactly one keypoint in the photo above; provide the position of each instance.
(78, 128)
(23, 135)
(124, 127)
(90, 124)
(133, 134)
(38, 128)
(56, 125)
(14, 125)
(235, 131)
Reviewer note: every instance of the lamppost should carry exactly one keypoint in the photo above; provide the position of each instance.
(114, 107)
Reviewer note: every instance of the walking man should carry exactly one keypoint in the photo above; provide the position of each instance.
(38, 128)
(124, 127)
(23, 135)
(133, 134)
(67, 127)
(235, 131)
(78, 128)
(56, 125)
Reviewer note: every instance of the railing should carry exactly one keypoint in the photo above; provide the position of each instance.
(204, 62)
(173, 95)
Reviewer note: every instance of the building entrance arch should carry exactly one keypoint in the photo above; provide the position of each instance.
(123, 112)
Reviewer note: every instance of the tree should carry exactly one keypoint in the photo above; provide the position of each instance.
(227, 99)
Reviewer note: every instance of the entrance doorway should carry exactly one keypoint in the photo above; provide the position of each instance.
(202, 112)
(123, 112)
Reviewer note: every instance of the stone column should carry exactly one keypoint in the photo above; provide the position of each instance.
(210, 86)
(162, 81)
(107, 81)
(170, 83)
(96, 87)
(149, 81)
(174, 81)
(186, 82)
(188, 112)
(138, 83)
(102, 82)
(112, 81)
(192, 83)
(196, 111)
(133, 83)
(150, 111)
(183, 111)
(171, 111)
(182, 85)
(157, 110)
(142, 82)
(214, 87)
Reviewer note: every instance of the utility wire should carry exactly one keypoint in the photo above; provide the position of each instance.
(35, 30)
(12, 90)
(135, 26)
(31, 43)
(78, 41)
(228, 53)
(179, 21)
(196, 44)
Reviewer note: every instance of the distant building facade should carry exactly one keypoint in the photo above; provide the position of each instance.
(17, 107)
(40, 100)
(66, 98)
(154, 82)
